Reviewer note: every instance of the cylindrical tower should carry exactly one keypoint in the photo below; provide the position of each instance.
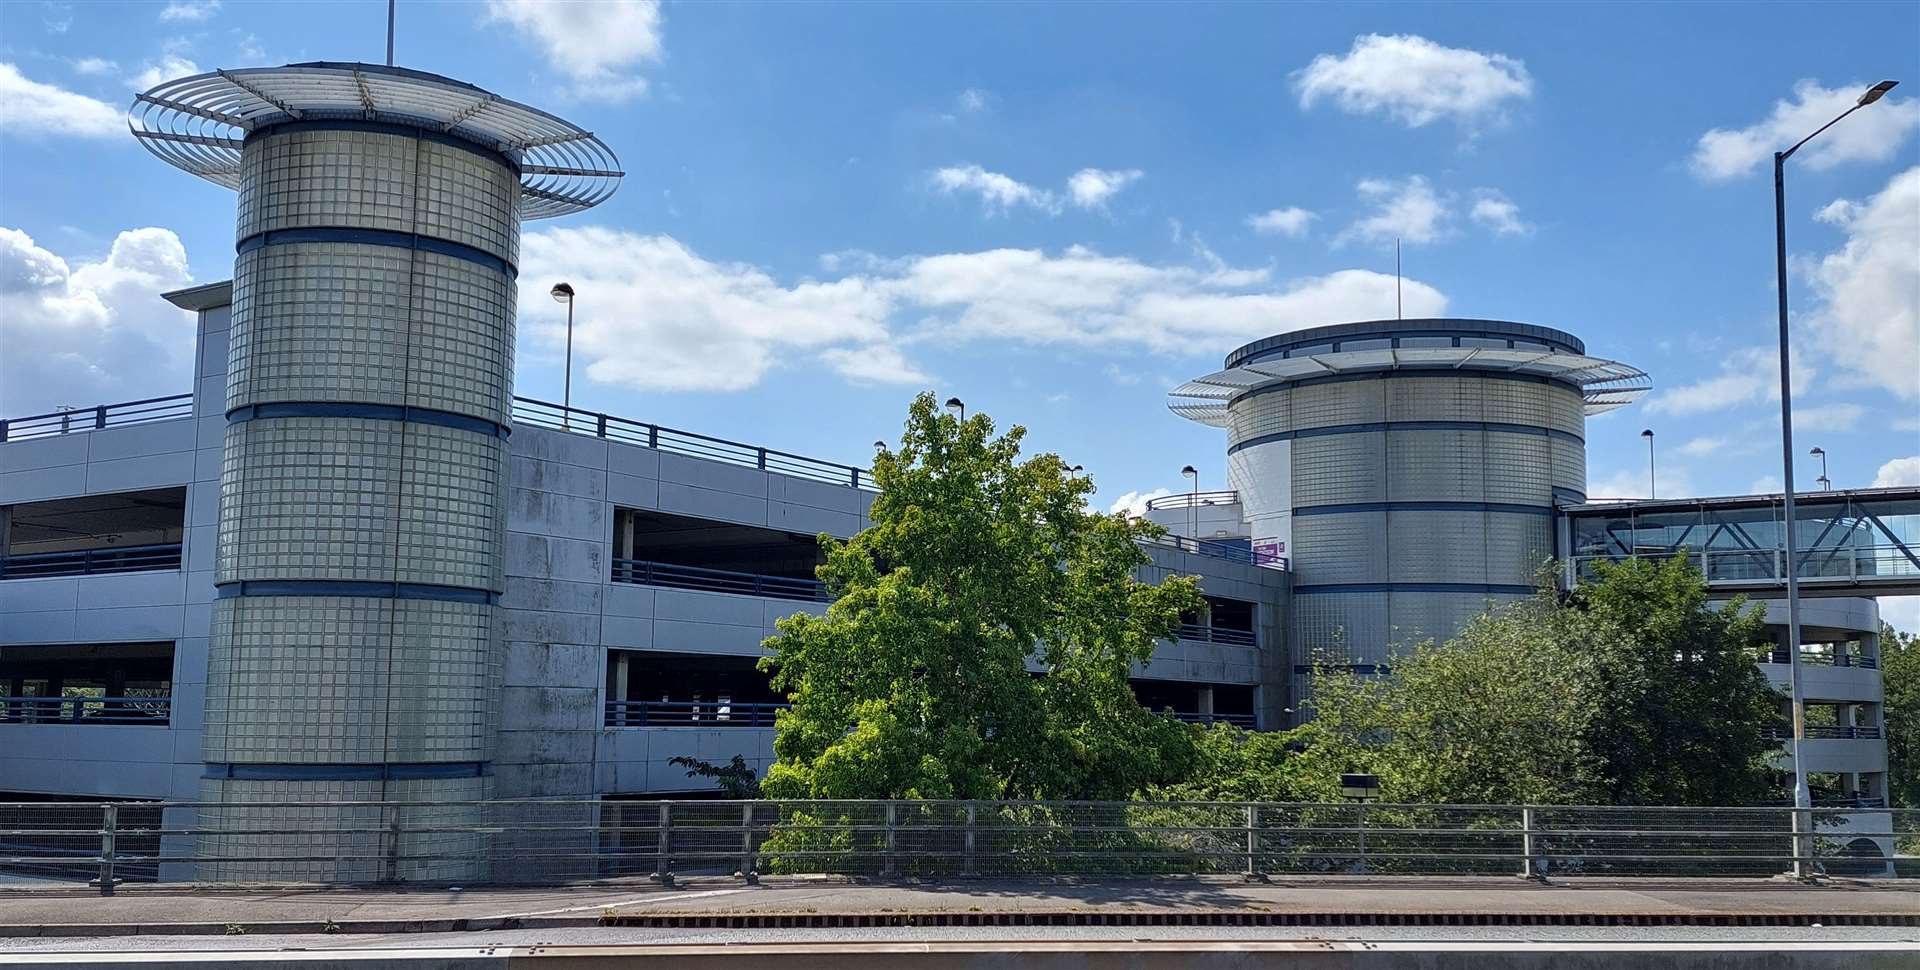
(355, 649)
(1407, 469)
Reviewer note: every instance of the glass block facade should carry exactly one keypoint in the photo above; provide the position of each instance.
(355, 654)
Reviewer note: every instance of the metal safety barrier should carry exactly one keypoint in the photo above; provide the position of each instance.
(1217, 634)
(87, 562)
(557, 417)
(705, 714)
(558, 842)
(95, 418)
(82, 709)
(649, 573)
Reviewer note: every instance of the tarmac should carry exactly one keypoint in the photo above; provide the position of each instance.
(67, 910)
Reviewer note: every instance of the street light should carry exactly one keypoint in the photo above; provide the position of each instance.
(563, 293)
(1652, 490)
(1826, 484)
(1193, 505)
(958, 407)
(1801, 798)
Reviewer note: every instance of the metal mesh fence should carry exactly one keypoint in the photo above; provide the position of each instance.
(564, 841)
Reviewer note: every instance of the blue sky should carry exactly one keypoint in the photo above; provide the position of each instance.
(1054, 212)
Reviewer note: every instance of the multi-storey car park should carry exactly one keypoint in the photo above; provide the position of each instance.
(352, 566)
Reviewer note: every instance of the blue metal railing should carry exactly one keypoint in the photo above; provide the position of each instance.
(706, 714)
(86, 562)
(1825, 732)
(1818, 658)
(1215, 634)
(96, 417)
(649, 573)
(85, 710)
(1219, 550)
(546, 414)
(1194, 717)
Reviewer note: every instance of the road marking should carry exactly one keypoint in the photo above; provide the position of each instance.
(624, 902)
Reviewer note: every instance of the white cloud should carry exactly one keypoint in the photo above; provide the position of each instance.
(189, 11)
(95, 66)
(1768, 485)
(997, 192)
(1702, 447)
(1497, 212)
(167, 68)
(1674, 482)
(1747, 375)
(1827, 417)
(1414, 80)
(1873, 134)
(1909, 423)
(1869, 317)
(595, 43)
(1120, 375)
(1291, 222)
(654, 315)
(1090, 188)
(1134, 504)
(1900, 471)
(1901, 612)
(95, 333)
(973, 100)
(875, 364)
(1406, 209)
(33, 108)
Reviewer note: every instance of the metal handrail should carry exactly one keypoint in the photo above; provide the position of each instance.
(1188, 500)
(86, 562)
(560, 417)
(94, 418)
(1195, 717)
(1760, 567)
(1825, 732)
(80, 709)
(1821, 658)
(705, 714)
(649, 573)
(1213, 549)
(1216, 634)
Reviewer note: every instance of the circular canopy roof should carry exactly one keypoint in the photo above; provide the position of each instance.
(1606, 384)
(199, 124)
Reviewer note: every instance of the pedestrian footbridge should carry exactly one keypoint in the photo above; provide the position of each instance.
(1859, 542)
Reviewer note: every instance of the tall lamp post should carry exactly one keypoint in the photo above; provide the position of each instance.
(1826, 484)
(563, 293)
(1802, 800)
(1653, 490)
(958, 407)
(1193, 505)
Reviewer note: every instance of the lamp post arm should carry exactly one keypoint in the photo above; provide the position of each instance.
(1783, 156)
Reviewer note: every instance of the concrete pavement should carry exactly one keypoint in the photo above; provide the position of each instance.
(183, 909)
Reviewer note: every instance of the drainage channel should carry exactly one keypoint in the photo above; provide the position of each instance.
(762, 921)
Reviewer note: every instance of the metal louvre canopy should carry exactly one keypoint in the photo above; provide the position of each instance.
(200, 123)
(1606, 384)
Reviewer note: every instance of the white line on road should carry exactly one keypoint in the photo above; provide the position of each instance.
(624, 902)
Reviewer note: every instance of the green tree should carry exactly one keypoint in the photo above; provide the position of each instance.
(1683, 709)
(915, 682)
(1497, 715)
(1900, 673)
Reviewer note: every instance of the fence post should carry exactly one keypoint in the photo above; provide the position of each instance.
(1802, 826)
(392, 813)
(109, 823)
(967, 859)
(1253, 840)
(653, 437)
(1527, 869)
(600, 428)
(761, 459)
(3, 437)
(100, 417)
(663, 851)
(889, 863)
(746, 843)
(1363, 836)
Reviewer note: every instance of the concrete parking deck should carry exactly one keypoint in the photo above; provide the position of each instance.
(180, 909)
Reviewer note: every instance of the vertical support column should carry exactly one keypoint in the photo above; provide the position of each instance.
(748, 869)
(663, 854)
(109, 826)
(1528, 870)
(889, 865)
(967, 862)
(1253, 841)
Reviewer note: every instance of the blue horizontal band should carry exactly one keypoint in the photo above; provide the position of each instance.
(378, 412)
(388, 128)
(1495, 426)
(345, 772)
(1511, 507)
(1409, 370)
(1329, 589)
(378, 237)
(349, 587)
